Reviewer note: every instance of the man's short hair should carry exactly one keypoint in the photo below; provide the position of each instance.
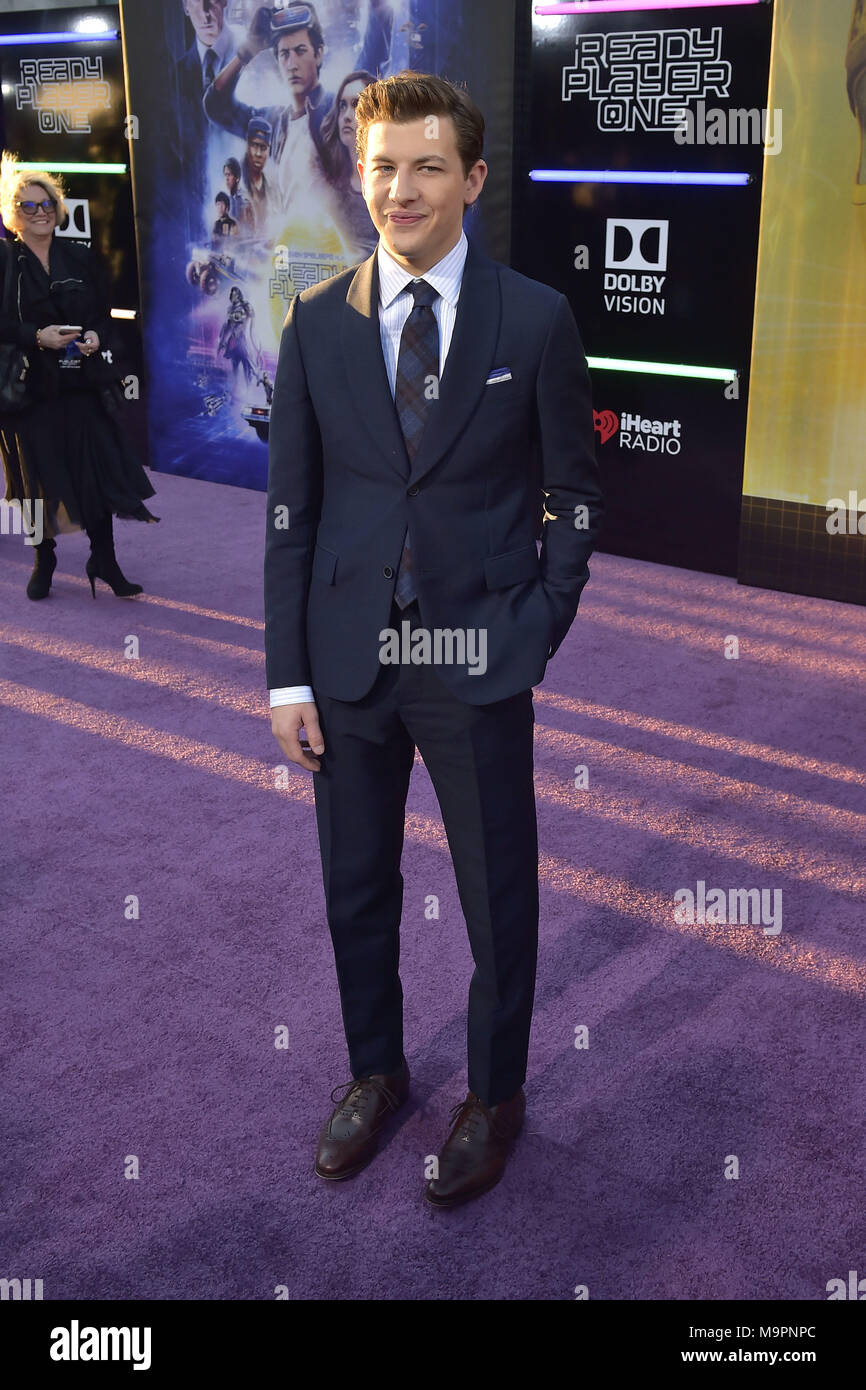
(233, 166)
(412, 96)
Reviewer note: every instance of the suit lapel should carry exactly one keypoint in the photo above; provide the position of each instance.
(470, 356)
(361, 343)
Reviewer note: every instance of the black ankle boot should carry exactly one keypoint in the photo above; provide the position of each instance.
(43, 568)
(102, 561)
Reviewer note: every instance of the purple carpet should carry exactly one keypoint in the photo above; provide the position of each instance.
(167, 1069)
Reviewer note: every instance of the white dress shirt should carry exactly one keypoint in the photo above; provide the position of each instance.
(395, 306)
(298, 173)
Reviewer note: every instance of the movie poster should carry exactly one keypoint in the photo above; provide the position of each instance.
(246, 191)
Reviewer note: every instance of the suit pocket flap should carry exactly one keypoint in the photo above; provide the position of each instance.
(324, 565)
(512, 567)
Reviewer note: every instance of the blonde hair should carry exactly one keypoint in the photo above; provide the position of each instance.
(13, 179)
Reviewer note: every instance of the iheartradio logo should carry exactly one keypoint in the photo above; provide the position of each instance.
(639, 432)
(605, 423)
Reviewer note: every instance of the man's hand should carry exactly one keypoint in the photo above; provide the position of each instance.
(286, 720)
(259, 35)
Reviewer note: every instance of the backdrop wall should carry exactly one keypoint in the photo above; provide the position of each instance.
(657, 274)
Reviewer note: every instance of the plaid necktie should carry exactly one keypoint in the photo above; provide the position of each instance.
(416, 385)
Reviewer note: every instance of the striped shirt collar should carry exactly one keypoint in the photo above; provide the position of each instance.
(444, 276)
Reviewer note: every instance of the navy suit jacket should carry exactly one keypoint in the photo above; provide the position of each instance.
(341, 490)
(192, 120)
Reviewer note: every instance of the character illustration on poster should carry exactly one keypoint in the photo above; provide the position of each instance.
(233, 344)
(213, 46)
(225, 224)
(347, 205)
(267, 198)
(295, 37)
(291, 200)
(261, 198)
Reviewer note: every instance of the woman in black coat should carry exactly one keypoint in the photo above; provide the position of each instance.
(64, 449)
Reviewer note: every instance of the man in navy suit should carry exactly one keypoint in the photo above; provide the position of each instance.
(423, 403)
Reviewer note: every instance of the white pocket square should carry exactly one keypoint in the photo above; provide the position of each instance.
(498, 374)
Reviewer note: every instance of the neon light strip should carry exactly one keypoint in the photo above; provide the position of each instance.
(62, 168)
(124, 313)
(625, 364)
(615, 6)
(64, 37)
(637, 176)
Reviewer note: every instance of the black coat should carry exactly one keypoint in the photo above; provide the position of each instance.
(77, 291)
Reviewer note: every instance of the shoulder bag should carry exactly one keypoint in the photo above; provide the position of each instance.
(14, 362)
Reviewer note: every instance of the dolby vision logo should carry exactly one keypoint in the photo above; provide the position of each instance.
(636, 261)
(635, 243)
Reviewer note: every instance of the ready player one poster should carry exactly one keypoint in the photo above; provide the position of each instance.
(246, 191)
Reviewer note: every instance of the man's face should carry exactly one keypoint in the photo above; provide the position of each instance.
(297, 59)
(415, 188)
(231, 179)
(206, 17)
(257, 150)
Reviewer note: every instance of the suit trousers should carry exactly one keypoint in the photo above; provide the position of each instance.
(480, 761)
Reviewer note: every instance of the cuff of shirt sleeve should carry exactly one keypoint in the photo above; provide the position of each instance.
(292, 695)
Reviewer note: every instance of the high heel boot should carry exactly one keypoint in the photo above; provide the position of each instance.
(102, 561)
(43, 568)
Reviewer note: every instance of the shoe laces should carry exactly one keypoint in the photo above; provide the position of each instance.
(475, 1110)
(359, 1093)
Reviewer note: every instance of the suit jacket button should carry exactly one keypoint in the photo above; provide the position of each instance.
(388, 572)
(413, 491)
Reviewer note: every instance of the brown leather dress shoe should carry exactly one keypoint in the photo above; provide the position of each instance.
(475, 1153)
(350, 1138)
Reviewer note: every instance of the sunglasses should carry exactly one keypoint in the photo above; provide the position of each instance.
(30, 209)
